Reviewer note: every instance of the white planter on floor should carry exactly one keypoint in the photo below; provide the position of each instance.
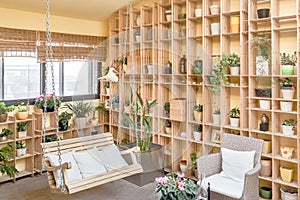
(215, 28)
(287, 93)
(216, 119)
(21, 152)
(234, 122)
(197, 135)
(265, 104)
(235, 71)
(288, 130)
(286, 106)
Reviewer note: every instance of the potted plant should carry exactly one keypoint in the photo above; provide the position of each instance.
(21, 129)
(168, 14)
(107, 88)
(4, 110)
(287, 88)
(22, 112)
(197, 69)
(193, 164)
(198, 109)
(81, 110)
(167, 109)
(63, 122)
(115, 102)
(49, 99)
(197, 132)
(234, 117)
(263, 46)
(265, 192)
(5, 133)
(101, 107)
(127, 105)
(137, 36)
(216, 116)
(231, 61)
(289, 194)
(288, 126)
(21, 148)
(183, 166)
(263, 13)
(168, 127)
(288, 62)
(6, 152)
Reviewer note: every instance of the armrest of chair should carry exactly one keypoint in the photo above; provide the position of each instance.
(131, 152)
(66, 165)
(251, 183)
(209, 164)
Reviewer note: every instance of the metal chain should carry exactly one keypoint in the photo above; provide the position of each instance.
(49, 58)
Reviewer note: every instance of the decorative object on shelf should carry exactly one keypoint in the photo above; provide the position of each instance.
(110, 76)
(287, 88)
(49, 98)
(22, 112)
(150, 69)
(5, 132)
(235, 24)
(126, 122)
(234, 115)
(63, 122)
(4, 110)
(107, 88)
(138, 36)
(183, 166)
(197, 69)
(168, 127)
(178, 109)
(215, 28)
(117, 40)
(289, 194)
(183, 64)
(197, 133)
(22, 129)
(264, 104)
(267, 146)
(168, 69)
(20, 148)
(7, 152)
(288, 62)
(183, 134)
(138, 20)
(288, 127)
(286, 174)
(168, 15)
(214, 9)
(215, 136)
(264, 123)
(231, 61)
(198, 12)
(266, 167)
(193, 164)
(167, 109)
(263, 13)
(265, 192)
(198, 110)
(287, 152)
(286, 106)
(115, 102)
(182, 16)
(127, 105)
(92, 121)
(263, 46)
(174, 186)
(81, 110)
(263, 92)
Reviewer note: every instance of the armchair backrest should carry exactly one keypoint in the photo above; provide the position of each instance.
(242, 143)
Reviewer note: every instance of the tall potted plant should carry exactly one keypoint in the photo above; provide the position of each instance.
(5, 133)
(287, 88)
(22, 129)
(22, 112)
(198, 109)
(263, 46)
(81, 110)
(63, 122)
(4, 110)
(288, 62)
(6, 152)
(234, 117)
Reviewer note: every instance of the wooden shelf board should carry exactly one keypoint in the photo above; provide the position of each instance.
(292, 112)
(212, 36)
(280, 181)
(23, 173)
(181, 38)
(231, 13)
(28, 137)
(212, 16)
(262, 20)
(259, 109)
(6, 141)
(165, 40)
(284, 17)
(261, 132)
(231, 127)
(147, 41)
(165, 5)
(179, 21)
(179, 3)
(266, 178)
(115, 29)
(179, 138)
(199, 37)
(7, 122)
(285, 136)
(231, 34)
(165, 23)
(292, 28)
(165, 135)
(147, 25)
(195, 19)
(195, 122)
(24, 120)
(5, 178)
(267, 155)
(212, 144)
(195, 141)
(261, 31)
(27, 155)
(279, 157)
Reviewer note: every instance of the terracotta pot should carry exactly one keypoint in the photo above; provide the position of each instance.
(22, 115)
(3, 117)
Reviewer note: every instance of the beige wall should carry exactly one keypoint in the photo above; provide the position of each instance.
(33, 21)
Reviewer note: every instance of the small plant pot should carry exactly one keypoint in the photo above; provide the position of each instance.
(115, 105)
(216, 119)
(263, 13)
(266, 168)
(198, 12)
(287, 93)
(127, 109)
(3, 117)
(265, 104)
(215, 28)
(21, 152)
(235, 71)
(289, 194)
(198, 116)
(21, 115)
(287, 69)
(286, 106)
(168, 130)
(264, 126)
(265, 192)
(168, 70)
(117, 40)
(61, 127)
(287, 130)
(4, 138)
(234, 122)
(183, 166)
(262, 66)
(286, 174)
(168, 15)
(197, 135)
(267, 146)
(214, 9)
(150, 69)
(108, 91)
(287, 152)
(22, 134)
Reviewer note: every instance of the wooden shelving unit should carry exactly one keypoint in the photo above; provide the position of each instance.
(193, 36)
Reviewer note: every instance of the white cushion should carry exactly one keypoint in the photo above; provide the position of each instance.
(236, 163)
(88, 164)
(73, 173)
(226, 186)
(111, 157)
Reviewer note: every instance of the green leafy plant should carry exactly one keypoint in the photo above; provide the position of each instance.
(167, 107)
(289, 122)
(198, 128)
(20, 145)
(107, 85)
(198, 108)
(6, 152)
(263, 45)
(288, 59)
(4, 109)
(230, 60)
(234, 112)
(49, 98)
(21, 107)
(125, 141)
(287, 83)
(51, 138)
(175, 187)
(193, 162)
(21, 126)
(127, 102)
(101, 107)
(80, 108)
(6, 132)
(168, 124)
(64, 118)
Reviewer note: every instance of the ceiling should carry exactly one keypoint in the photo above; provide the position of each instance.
(95, 10)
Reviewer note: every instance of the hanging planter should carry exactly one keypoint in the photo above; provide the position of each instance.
(264, 104)
(286, 106)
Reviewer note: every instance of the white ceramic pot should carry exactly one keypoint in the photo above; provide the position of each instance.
(287, 94)
(138, 20)
(215, 28)
(234, 122)
(168, 130)
(183, 168)
(4, 138)
(108, 91)
(286, 106)
(21, 152)
(265, 104)
(266, 168)
(197, 135)
(168, 15)
(198, 12)
(80, 122)
(287, 130)
(150, 69)
(235, 71)
(262, 66)
(183, 134)
(216, 119)
(22, 134)
(214, 9)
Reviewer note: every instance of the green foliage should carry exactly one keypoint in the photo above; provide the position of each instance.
(6, 152)
(6, 132)
(21, 107)
(64, 118)
(263, 45)
(193, 162)
(198, 108)
(51, 138)
(125, 141)
(289, 122)
(288, 59)
(234, 112)
(127, 102)
(21, 126)
(168, 124)
(198, 128)
(4, 109)
(230, 60)
(107, 85)
(197, 70)
(49, 99)
(167, 106)
(80, 108)
(101, 107)
(286, 83)
(20, 145)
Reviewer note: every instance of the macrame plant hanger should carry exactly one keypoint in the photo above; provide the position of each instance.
(49, 66)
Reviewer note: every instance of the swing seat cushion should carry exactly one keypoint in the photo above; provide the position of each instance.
(73, 173)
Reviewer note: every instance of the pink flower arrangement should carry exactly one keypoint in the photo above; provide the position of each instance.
(49, 98)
